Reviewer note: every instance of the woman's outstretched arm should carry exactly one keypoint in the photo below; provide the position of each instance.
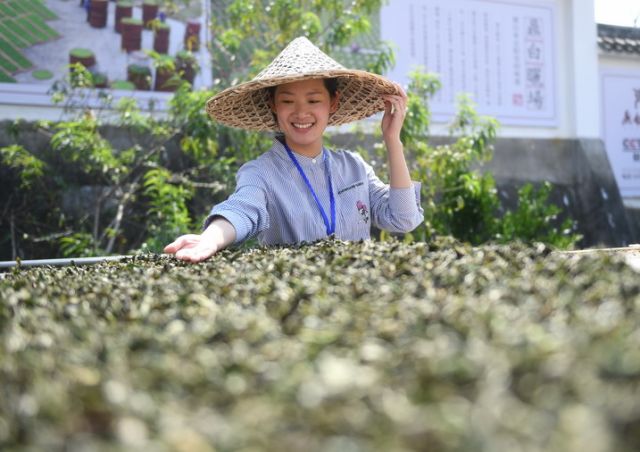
(199, 247)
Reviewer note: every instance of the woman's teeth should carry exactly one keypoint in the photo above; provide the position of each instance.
(302, 126)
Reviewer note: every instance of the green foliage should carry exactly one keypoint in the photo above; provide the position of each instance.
(74, 92)
(29, 167)
(458, 199)
(202, 140)
(122, 198)
(80, 76)
(534, 219)
(167, 212)
(79, 244)
(461, 202)
(162, 61)
(252, 32)
(80, 143)
(384, 60)
(416, 125)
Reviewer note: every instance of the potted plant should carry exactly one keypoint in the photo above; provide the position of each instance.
(149, 13)
(100, 80)
(131, 34)
(124, 9)
(140, 76)
(83, 56)
(161, 32)
(192, 36)
(187, 65)
(98, 12)
(166, 76)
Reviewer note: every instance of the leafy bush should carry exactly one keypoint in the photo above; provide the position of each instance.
(125, 187)
(251, 32)
(331, 346)
(534, 220)
(458, 199)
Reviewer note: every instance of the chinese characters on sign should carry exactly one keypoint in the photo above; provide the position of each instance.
(499, 53)
(621, 127)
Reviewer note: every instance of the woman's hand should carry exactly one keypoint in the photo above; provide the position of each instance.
(395, 109)
(192, 248)
(199, 247)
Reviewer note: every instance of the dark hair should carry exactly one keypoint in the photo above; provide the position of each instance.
(332, 85)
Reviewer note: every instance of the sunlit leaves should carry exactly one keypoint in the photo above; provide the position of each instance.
(251, 32)
(79, 244)
(29, 166)
(458, 198)
(167, 207)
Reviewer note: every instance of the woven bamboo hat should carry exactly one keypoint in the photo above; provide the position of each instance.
(246, 105)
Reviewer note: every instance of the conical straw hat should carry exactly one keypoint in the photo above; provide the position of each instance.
(246, 105)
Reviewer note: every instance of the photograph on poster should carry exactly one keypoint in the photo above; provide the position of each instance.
(115, 41)
(500, 53)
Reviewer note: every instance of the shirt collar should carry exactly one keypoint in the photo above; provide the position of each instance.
(279, 149)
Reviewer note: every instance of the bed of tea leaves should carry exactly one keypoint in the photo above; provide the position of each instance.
(332, 346)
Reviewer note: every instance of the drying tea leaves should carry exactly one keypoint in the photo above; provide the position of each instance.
(332, 346)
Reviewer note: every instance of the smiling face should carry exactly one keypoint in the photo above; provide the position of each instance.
(302, 110)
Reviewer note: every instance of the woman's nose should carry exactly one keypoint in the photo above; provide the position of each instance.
(300, 108)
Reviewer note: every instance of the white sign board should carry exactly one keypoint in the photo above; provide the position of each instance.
(621, 127)
(500, 53)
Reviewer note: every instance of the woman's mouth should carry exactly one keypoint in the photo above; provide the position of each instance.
(302, 125)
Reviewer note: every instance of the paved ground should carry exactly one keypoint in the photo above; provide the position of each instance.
(75, 32)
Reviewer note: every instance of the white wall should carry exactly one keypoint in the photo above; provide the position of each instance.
(622, 61)
(620, 70)
(33, 102)
(575, 77)
(586, 81)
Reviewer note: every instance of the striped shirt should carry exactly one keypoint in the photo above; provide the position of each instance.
(273, 202)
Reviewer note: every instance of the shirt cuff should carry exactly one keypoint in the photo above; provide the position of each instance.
(239, 223)
(405, 201)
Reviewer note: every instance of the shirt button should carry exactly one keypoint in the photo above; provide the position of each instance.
(313, 161)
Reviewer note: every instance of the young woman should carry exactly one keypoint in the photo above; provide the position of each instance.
(299, 191)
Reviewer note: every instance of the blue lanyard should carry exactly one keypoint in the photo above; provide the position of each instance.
(331, 227)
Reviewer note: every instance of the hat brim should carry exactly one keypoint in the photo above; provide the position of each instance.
(246, 106)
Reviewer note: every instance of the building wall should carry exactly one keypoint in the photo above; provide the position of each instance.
(627, 67)
(618, 61)
(575, 74)
(31, 102)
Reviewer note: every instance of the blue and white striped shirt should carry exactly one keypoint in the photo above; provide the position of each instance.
(272, 201)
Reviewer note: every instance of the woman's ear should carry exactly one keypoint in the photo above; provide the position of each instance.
(335, 102)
